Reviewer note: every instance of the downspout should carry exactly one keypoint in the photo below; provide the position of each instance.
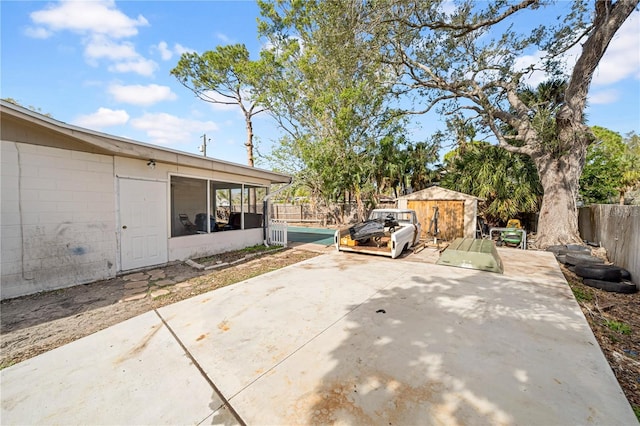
(265, 210)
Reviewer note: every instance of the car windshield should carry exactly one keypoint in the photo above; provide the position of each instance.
(383, 214)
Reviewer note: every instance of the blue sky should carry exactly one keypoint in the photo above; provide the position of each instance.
(105, 65)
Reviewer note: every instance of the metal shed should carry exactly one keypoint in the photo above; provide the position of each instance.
(457, 211)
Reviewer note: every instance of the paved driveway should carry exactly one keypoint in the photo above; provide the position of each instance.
(341, 338)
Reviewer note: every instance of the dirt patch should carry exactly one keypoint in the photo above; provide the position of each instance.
(614, 319)
(31, 325)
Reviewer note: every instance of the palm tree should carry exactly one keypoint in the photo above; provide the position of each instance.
(508, 182)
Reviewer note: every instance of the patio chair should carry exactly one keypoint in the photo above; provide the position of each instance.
(188, 225)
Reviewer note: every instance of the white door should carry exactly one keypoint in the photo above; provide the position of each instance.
(143, 223)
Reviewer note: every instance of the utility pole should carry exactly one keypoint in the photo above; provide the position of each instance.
(203, 148)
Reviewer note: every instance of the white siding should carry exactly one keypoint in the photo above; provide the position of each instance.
(58, 218)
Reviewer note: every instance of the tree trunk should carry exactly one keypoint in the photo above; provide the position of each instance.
(249, 142)
(558, 219)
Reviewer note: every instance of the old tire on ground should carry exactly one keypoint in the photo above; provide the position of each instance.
(574, 249)
(575, 258)
(599, 272)
(578, 247)
(556, 249)
(626, 287)
(626, 275)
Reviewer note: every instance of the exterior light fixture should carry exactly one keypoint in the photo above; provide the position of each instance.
(151, 163)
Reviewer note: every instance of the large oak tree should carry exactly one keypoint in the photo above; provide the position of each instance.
(465, 57)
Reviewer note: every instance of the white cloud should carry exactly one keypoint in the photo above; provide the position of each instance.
(223, 38)
(180, 49)
(604, 97)
(141, 95)
(37, 32)
(142, 66)
(87, 17)
(166, 129)
(620, 61)
(104, 117)
(525, 61)
(100, 24)
(103, 48)
(165, 52)
(622, 58)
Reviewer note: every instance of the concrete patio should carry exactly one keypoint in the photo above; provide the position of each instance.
(341, 338)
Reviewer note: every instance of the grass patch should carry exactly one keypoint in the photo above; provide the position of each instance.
(258, 248)
(581, 295)
(618, 326)
(636, 411)
(6, 364)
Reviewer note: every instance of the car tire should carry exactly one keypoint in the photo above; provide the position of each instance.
(578, 247)
(626, 287)
(625, 275)
(574, 249)
(575, 258)
(599, 272)
(556, 249)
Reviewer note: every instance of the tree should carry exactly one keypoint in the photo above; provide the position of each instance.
(507, 181)
(612, 168)
(226, 76)
(330, 98)
(465, 61)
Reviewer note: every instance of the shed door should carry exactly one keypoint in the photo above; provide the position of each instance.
(143, 223)
(450, 220)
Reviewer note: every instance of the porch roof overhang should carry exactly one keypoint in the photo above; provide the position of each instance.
(16, 122)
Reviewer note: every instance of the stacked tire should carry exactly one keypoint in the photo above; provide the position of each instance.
(593, 271)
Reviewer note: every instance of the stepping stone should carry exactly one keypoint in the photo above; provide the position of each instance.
(164, 283)
(135, 277)
(136, 285)
(184, 284)
(136, 296)
(159, 293)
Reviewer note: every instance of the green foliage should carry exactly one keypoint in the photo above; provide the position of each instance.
(508, 182)
(332, 99)
(227, 75)
(618, 326)
(582, 295)
(612, 167)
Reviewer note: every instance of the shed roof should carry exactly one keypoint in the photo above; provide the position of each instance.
(14, 119)
(438, 193)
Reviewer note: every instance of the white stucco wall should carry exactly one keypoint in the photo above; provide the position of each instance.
(202, 245)
(58, 218)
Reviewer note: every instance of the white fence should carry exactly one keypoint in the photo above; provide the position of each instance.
(278, 233)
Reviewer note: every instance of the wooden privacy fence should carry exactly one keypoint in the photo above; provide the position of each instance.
(310, 213)
(617, 229)
(295, 213)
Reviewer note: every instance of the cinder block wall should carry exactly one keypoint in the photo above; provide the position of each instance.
(58, 218)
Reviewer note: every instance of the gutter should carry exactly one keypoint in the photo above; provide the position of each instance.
(265, 205)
